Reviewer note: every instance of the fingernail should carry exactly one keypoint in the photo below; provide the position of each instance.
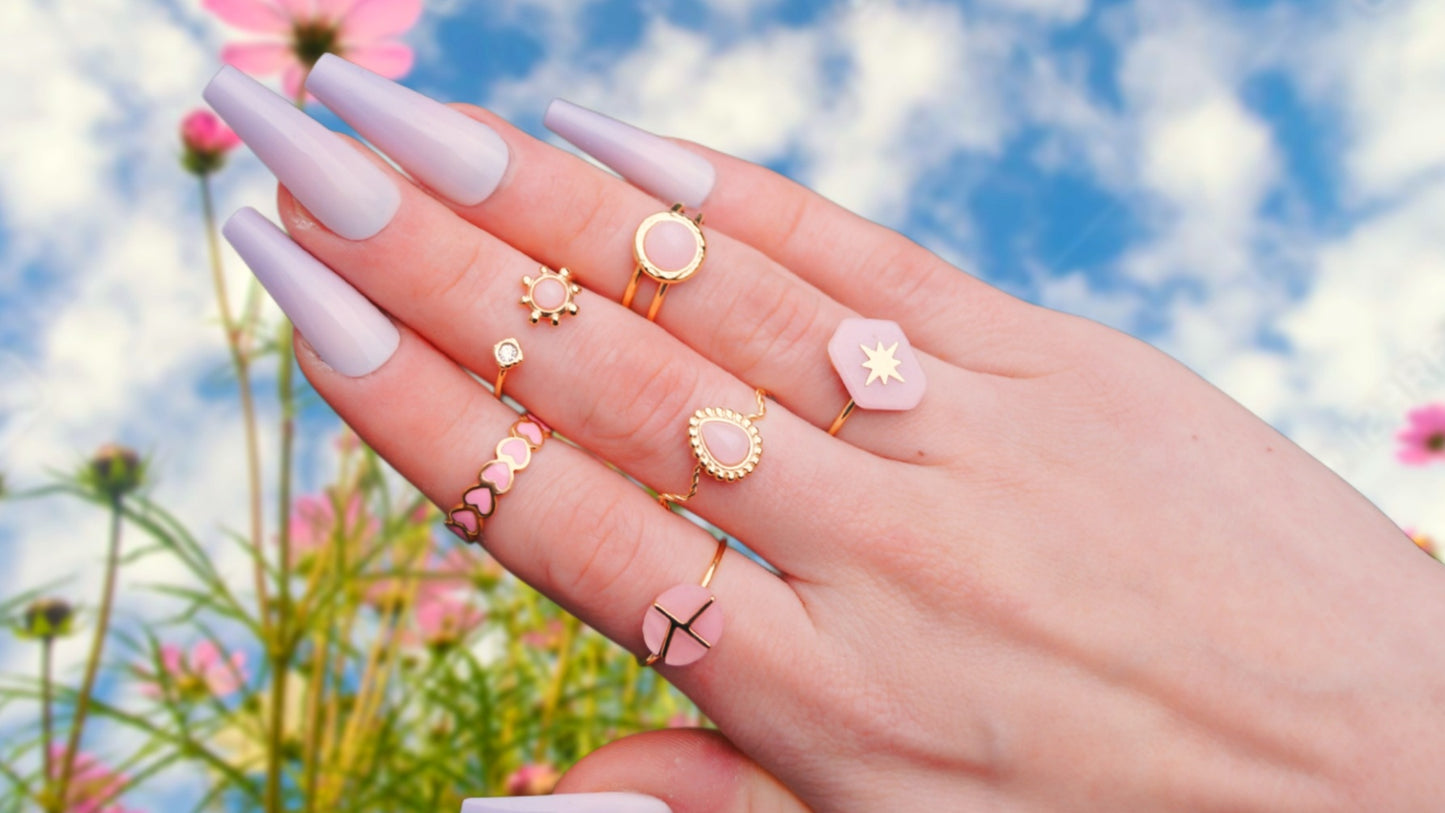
(335, 182)
(347, 331)
(452, 153)
(569, 803)
(657, 166)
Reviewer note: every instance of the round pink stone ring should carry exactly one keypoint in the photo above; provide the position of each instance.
(725, 442)
(668, 248)
(684, 622)
(877, 365)
(550, 294)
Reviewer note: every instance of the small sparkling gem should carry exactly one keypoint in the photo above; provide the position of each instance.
(508, 353)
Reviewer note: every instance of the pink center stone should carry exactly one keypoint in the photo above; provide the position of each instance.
(727, 442)
(682, 603)
(670, 245)
(549, 294)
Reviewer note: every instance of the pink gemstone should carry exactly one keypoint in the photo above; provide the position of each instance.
(872, 378)
(516, 451)
(670, 245)
(482, 499)
(683, 602)
(499, 475)
(727, 442)
(531, 431)
(540, 424)
(467, 521)
(549, 294)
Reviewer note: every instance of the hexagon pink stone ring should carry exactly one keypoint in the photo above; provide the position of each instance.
(878, 367)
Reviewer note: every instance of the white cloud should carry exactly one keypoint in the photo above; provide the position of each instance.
(1058, 11)
(1383, 72)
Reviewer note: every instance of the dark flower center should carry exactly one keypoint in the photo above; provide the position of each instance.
(1436, 442)
(314, 39)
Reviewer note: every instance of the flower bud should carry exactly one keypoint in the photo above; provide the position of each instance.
(115, 471)
(206, 140)
(47, 619)
(536, 779)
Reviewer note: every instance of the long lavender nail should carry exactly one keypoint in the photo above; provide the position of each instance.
(656, 165)
(452, 153)
(569, 803)
(345, 191)
(348, 332)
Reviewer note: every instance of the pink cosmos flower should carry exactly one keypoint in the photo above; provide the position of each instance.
(204, 132)
(205, 671)
(92, 786)
(1423, 440)
(314, 526)
(299, 32)
(443, 619)
(535, 779)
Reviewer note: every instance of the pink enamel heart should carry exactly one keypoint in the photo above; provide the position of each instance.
(514, 451)
(464, 524)
(498, 475)
(482, 499)
(530, 431)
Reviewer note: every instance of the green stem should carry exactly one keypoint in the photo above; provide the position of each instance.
(92, 665)
(282, 646)
(47, 723)
(241, 361)
(559, 681)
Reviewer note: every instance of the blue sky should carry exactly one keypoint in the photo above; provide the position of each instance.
(1256, 187)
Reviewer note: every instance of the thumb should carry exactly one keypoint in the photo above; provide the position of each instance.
(677, 770)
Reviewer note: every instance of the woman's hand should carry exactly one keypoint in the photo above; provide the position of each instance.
(1074, 576)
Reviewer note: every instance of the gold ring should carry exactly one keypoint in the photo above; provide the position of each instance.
(684, 623)
(669, 248)
(508, 354)
(726, 444)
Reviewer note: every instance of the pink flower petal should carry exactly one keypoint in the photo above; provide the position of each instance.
(390, 59)
(203, 656)
(249, 15)
(304, 10)
(334, 9)
(371, 20)
(291, 82)
(258, 58)
(172, 660)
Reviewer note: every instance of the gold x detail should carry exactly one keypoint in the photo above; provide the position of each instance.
(674, 624)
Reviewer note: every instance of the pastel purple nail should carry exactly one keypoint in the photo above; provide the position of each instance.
(347, 331)
(877, 364)
(657, 166)
(345, 190)
(569, 803)
(452, 153)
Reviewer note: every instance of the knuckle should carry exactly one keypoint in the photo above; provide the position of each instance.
(662, 387)
(460, 281)
(781, 329)
(613, 537)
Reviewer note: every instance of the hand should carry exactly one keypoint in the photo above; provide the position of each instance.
(1075, 576)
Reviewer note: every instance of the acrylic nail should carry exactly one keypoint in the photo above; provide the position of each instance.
(344, 189)
(452, 153)
(650, 162)
(348, 332)
(569, 803)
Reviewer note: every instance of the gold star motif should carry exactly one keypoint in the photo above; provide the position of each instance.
(881, 364)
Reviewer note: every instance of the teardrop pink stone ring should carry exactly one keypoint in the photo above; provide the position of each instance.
(726, 444)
